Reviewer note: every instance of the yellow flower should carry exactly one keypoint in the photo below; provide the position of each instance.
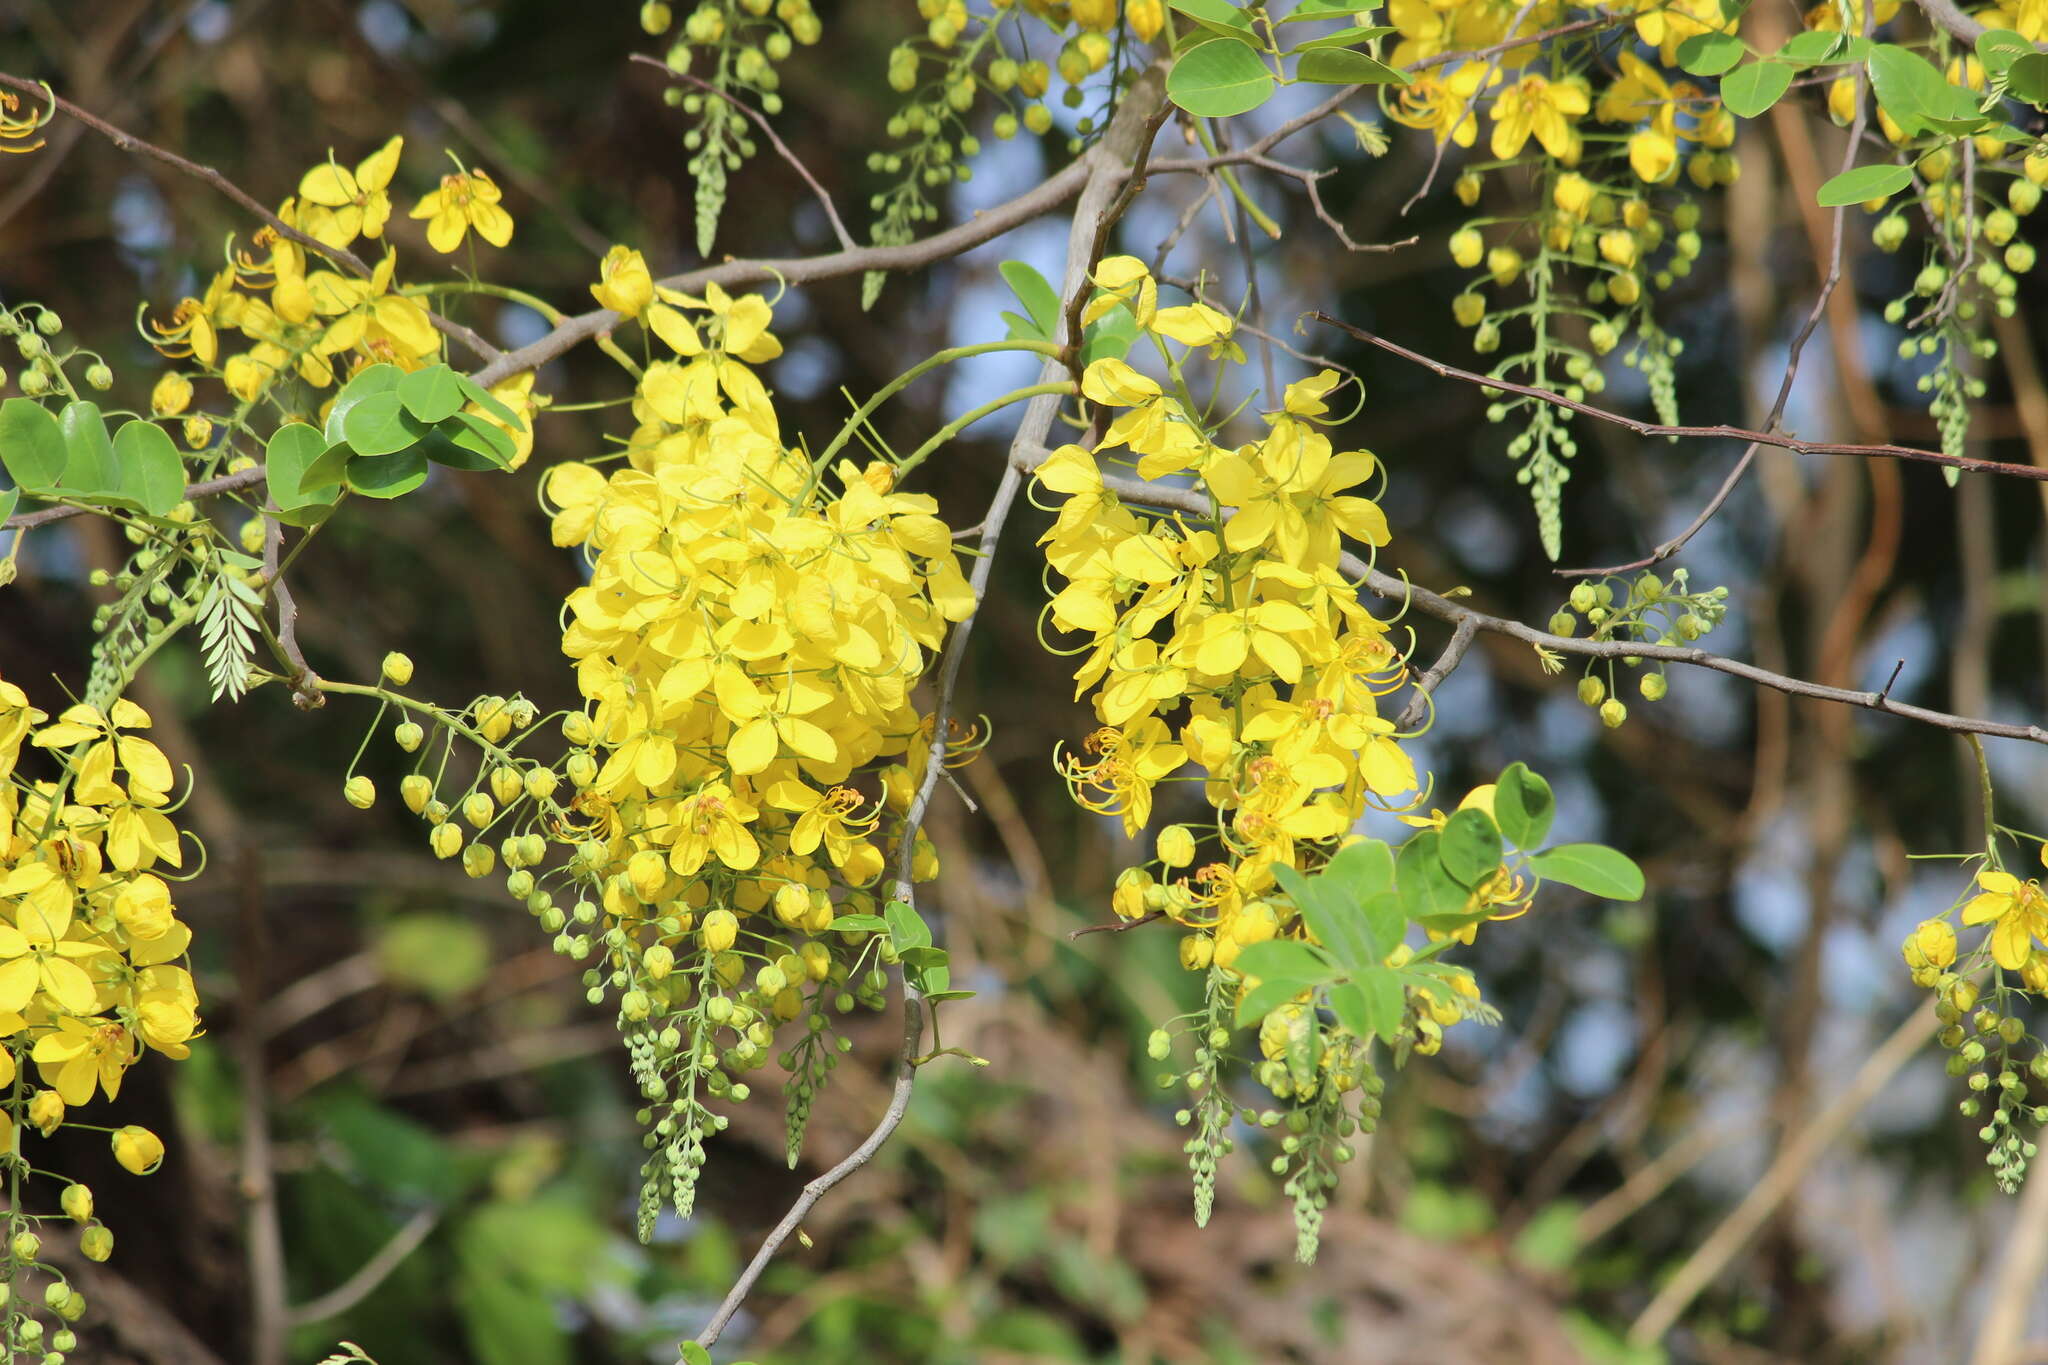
(714, 821)
(1445, 104)
(465, 200)
(2017, 912)
(171, 396)
(829, 817)
(1545, 109)
(138, 1150)
(336, 206)
(149, 772)
(82, 1056)
(18, 129)
(624, 284)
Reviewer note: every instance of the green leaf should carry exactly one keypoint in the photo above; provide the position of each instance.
(906, 928)
(330, 470)
(1109, 336)
(1309, 10)
(1219, 78)
(693, 1354)
(1523, 806)
(151, 470)
(31, 444)
(1749, 90)
(1270, 994)
(442, 956)
(1346, 37)
(1998, 49)
(1359, 870)
(1915, 92)
(1425, 887)
(1470, 846)
(1710, 54)
(488, 401)
(431, 394)
(1863, 182)
(8, 498)
(288, 458)
(1819, 47)
(1218, 17)
(1370, 1004)
(1283, 959)
(2027, 78)
(860, 924)
(387, 476)
(380, 425)
(1346, 66)
(374, 379)
(90, 469)
(1041, 301)
(1593, 868)
(483, 445)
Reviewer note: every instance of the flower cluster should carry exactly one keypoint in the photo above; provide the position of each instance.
(303, 315)
(90, 947)
(1980, 989)
(748, 643)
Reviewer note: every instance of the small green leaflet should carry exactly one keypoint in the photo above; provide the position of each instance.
(150, 469)
(90, 470)
(1593, 868)
(1710, 54)
(1819, 47)
(1862, 183)
(1041, 303)
(1219, 78)
(1523, 806)
(1370, 1004)
(31, 444)
(1750, 90)
(1346, 66)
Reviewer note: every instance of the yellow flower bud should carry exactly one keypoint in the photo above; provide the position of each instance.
(577, 729)
(415, 790)
(96, 1243)
(1146, 18)
(198, 432)
(658, 961)
(478, 860)
(647, 870)
(625, 284)
(789, 1002)
(897, 789)
(46, 1111)
(1504, 263)
(478, 809)
(137, 1149)
(143, 907)
(171, 396)
(792, 903)
(1468, 248)
(446, 841)
(26, 1246)
(1176, 846)
(1573, 194)
(506, 784)
(1618, 247)
(1936, 940)
(863, 864)
(581, 769)
(1128, 897)
(360, 792)
(924, 861)
(540, 783)
(1196, 952)
(76, 1201)
(397, 669)
(721, 928)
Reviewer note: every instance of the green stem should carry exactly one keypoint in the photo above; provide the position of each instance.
(967, 419)
(1228, 175)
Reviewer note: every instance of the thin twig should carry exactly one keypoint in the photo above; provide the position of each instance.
(264, 1234)
(899, 1104)
(1392, 589)
(128, 142)
(839, 231)
(1121, 926)
(1721, 432)
(206, 488)
(1454, 653)
(306, 693)
(1436, 158)
(372, 1273)
(1784, 1175)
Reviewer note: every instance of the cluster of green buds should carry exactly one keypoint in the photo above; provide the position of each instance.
(1643, 609)
(43, 359)
(733, 47)
(1987, 1045)
(42, 1332)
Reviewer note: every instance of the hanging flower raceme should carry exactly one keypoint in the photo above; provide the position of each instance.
(91, 950)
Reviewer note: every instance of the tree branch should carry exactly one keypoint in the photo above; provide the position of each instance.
(372, 1273)
(1399, 590)
(1780, 440)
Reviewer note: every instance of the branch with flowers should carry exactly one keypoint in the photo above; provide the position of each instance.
(726, 831)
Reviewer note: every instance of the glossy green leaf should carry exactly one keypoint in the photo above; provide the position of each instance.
(151, 470)
(330, 470)
(380, 425)
(488, 401)
(1109, 336)
(90, 469)
(1822, 47)
(1593, 868)
(1219, 78)
(1710, 54)
(2027, 78)
(1346, 66)
(1915, 92)
(431, 394)
(1041, 301)
(1370, 1004)
(1311, 10)
(1523, 806)
(1750, 90)
(1469, 846)
(387, 476)
(484, 441)
(1862, 183)
(8, 498)
(374, 379)
(1363, 869)
(1283, 959)
(288, 458)
(1219, 18)
(860, 924)
(1425, 887)
(1998, 49)
(906, 928)
(693, 1354)
(31, 444)
(1348, 37)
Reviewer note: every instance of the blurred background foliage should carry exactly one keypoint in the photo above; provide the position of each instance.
(397, 1063)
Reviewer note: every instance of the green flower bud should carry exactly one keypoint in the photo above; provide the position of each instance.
(360, 792)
